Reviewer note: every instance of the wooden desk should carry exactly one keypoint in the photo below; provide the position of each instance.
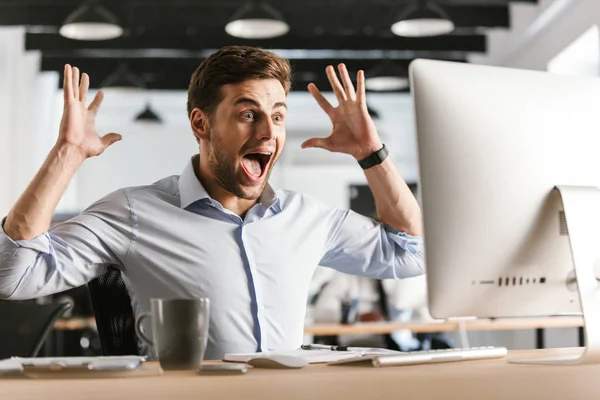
(388, 327)
(445, 326)
(489, 379)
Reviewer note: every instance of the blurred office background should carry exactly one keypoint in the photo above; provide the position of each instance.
(149, 48)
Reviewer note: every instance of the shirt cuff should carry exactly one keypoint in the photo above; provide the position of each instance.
(8, 246)
(412, 244)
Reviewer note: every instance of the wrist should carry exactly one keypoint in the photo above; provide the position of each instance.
(366, 151)
(69, 153)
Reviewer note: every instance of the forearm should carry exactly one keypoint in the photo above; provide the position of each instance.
(395, 203)
(32, 214)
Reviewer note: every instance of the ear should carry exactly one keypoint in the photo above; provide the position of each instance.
(199, 124)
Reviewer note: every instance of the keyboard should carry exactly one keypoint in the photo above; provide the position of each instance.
(425, 357)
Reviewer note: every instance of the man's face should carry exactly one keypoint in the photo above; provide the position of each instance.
(247, 134)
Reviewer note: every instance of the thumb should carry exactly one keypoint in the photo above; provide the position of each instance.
(110, 138)
(320, 143)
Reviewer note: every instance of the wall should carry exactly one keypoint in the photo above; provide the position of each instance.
(581, 58)
(27, 112)
(571, 20)
(145, 155)
(328, 183)
(5, 138)
(15, 87)
(539, 33)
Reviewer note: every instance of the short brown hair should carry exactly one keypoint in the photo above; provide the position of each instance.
(233, 64)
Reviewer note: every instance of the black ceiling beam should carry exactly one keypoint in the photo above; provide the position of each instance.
(470, 43)
(174, 74)
(205, 16)
(232, 3)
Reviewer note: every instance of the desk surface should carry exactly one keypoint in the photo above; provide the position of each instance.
(387, 327)
(487, 379)
(447, 326)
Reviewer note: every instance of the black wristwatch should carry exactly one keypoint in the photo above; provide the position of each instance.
(374, 159)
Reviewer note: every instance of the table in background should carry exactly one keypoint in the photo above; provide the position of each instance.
(375, 328)
(446, 325)
(537, 323)
(389, 327)
(483, 379)
(75, 323)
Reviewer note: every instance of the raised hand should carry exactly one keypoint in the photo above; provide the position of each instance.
(353, 132)
(77, 127)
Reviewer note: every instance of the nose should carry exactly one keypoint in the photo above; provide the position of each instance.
(267, 130)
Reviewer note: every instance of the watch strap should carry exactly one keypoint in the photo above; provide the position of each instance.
(374, 159)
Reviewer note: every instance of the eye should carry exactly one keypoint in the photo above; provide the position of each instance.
(278, 117)
(248, 115)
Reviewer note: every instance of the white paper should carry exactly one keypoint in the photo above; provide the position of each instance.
(10, 365)
(312, 356)
(73, 361)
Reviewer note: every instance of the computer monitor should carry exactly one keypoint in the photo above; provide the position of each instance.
(493, 146)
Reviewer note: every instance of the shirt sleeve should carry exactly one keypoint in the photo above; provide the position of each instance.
(359, 245)
(70, 254)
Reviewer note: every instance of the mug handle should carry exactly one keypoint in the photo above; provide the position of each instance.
(138, 329)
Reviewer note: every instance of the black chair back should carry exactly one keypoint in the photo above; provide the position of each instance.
(24, 326)
(114, 315)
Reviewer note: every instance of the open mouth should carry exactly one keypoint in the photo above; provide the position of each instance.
(255, 164)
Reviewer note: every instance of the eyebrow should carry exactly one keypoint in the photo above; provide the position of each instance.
(255, 103)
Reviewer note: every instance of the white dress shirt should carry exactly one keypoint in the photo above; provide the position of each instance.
(172, 240)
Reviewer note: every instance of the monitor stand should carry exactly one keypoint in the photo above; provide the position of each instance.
(582, 214)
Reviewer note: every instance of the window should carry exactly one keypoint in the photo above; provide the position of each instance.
(581, 58)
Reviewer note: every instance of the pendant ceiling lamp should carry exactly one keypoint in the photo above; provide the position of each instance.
(91, 21)
(257, 21)
(421, 19)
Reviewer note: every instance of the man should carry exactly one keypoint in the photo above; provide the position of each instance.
(218, 230)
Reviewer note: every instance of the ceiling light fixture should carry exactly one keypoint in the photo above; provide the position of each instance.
(91, 21)
(257, 22)
(148, 115)
(422, 18)
(386, 76)
(122, 81)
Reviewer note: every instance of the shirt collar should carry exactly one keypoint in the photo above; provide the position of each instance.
(191, 190)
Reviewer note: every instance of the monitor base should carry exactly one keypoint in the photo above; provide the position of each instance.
(582, 214)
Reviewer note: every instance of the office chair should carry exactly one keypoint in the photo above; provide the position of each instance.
(24, 326)
(114, 315)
